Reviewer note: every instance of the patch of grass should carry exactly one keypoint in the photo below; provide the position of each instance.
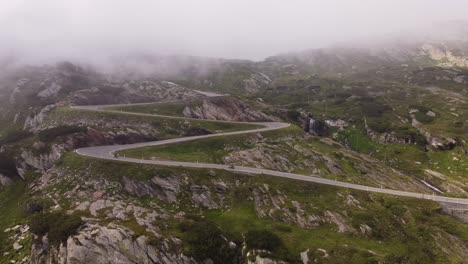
(423, 118)
(169, 109)
(357, 140)
(12, 203)
(211, 150)
(451, 163)
(14, 135)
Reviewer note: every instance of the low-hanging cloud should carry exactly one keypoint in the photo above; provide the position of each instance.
(89, 30)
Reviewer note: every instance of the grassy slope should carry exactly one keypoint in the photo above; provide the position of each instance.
(203, 150)
(213, 150)
(12, 207)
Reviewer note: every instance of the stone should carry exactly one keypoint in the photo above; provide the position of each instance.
(99, 205)
(17, 246)
(98, 195)
(305, 257)
(83, 206)
(113, 244)
(225, 108)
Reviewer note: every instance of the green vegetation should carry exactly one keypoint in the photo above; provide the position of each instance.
(57, 225)
(51, 134)
(14, 135)
(169, 109)
(203, 239)
(266, 240)
(291, 143)
(210, 150)
(7, 165)
(12, 203)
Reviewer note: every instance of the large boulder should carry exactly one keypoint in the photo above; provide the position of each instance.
(224, 108)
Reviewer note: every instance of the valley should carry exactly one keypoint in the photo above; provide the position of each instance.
(334, 155)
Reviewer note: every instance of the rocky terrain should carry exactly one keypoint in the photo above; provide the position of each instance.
(392, 116)
(225, 108)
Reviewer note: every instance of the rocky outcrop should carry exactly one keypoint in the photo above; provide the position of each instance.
(5, 181)
(444, 56)
(316, 127)
(260, 157)
(131, 92)
(42, 161)
(168, 188)
(164, 188)
(257, 259)
(256, 82)
(33, 122)
(224, 108)
(51, 91)
(41, 157)
(387, 138)
(440, 143)
(275, 205)
(110, 244)
(338, 123)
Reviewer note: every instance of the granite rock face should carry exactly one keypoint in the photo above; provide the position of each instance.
(225, 108)
(109, 244)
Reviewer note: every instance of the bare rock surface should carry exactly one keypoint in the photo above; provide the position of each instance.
(224, 108)
(110, 244)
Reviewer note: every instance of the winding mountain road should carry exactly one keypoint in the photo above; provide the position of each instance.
(107, 152)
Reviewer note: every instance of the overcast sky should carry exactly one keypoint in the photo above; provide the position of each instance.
(251, 29)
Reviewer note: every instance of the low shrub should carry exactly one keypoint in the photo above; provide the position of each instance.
(203, 240)
(458, 124)
(423, 118)
(7, 165)
(262, 239)
(52, 133)
(293, 115)
(58, 225)
(371, 108)
(12, 136)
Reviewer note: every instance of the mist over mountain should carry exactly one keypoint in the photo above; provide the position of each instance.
(89, 32)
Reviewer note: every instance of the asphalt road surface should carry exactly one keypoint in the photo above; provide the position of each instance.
(107, 152)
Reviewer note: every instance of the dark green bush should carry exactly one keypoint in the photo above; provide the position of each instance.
(379, 125)
(58, 225)
(423, 118)
(262, 239)
(293, 115)
(52, 133)
(372, 108)
(283, 228)
(14, 136)
(203, 240)
(7, 165)
(411, 135)
(458, 124)
(421, 108)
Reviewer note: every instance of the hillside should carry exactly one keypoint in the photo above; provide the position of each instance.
(390, 116)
